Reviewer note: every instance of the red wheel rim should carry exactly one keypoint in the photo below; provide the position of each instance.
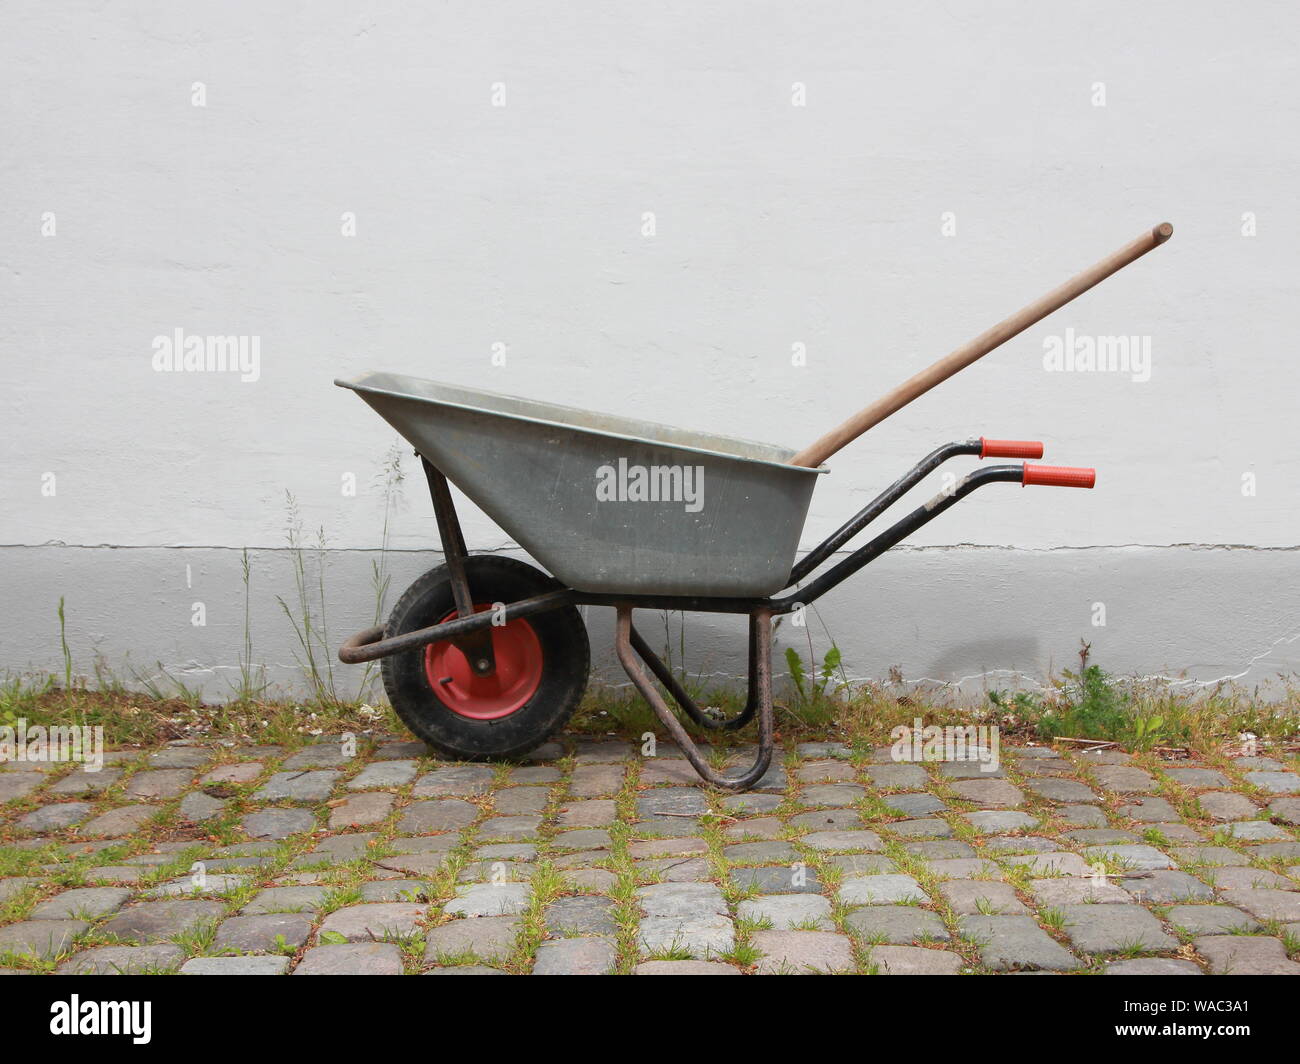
(518, 673)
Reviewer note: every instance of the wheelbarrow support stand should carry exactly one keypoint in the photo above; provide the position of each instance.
(633, 654)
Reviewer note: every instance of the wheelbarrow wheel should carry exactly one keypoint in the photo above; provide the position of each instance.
(542, 664)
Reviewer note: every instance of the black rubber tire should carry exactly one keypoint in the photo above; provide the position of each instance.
(566, 663)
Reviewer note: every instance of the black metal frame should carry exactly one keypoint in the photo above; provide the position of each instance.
(470, 630)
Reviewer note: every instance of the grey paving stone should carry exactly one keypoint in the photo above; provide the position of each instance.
(380, 774)
(423, 844)
(588, 813)
(78, 782)
(236, 966)
(82, 903)
(1074, 890)
(787, 912)
(1288, 851)
(242, 772)
(1242, 878)
(676, 800)
(54, 817)
(190, 757)
(582, 839)
(913, 804)
(748, 804)
(964, 868)
(488, 938)
(678, 869)
(841, 795)
(466, 969)
(1208, 855)
(1082, 816)
(43, 939)
(409, 890)
(1104, 928)
(1210, 919)
(454, 780)
(15, 785)
(353, 958)
(827, 820)
(767, 827)
(279, 823)
(601, 752)
(761, 852)
(1266, 903)
(994, 822)
(510, 828)
(11, 888)
(1101, 836)
(1013, 942)
(126, 820)
(1151, 810)
(1167, 887)
(522, 800)
(895, 777)
(913, 960)
(317, 755)
(685, 968)
(666, 847)
(261, 933)
(1197, 778)
(1275, 782)
(299, 786)
(593, 880)
(925, 828)
(361, 810)
(968, 897)
(1048, 864)
(448, 814)
(594, 781)
(1104, 757)
(861, 864)
(1061, 790)
(1152, 966)
(992, 794)
(1256, 831)
(701, 936)
(507, 851)
(581, 914)
(1135, 857)
(196, 807)
(970, 770)
(489, 899)
(496, 871)
(1245, 955)
(159, 783)
(338, 849)
(381, 920)
(823, 749)
(658, 770)
(665, 827)
(881, 890)
(840, 841)
(797, 878)
(1124, 779)
(124, 960)
(535, 774)
(576, 956)
(153, 921)
(896, 924)
(399, 751)
(1034, 752)
(681, 899)
(802, 952)
(940, 850)
(1286, 810)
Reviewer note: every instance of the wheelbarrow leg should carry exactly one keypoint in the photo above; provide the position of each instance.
(760, 678)
(665, 676)
(476, 646)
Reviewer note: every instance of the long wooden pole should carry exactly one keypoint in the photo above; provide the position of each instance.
(815, 454)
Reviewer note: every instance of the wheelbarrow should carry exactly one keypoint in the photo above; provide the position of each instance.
(486, 657)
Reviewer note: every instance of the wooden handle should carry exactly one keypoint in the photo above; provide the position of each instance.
(814, 455)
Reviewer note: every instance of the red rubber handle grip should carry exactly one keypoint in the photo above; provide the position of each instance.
(1010, 448)
(1059, 476)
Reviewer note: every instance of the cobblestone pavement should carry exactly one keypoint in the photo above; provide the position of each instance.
(591, 858)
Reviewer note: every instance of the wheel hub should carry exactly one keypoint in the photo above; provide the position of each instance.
(518, 672)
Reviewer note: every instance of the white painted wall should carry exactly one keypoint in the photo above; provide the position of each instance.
(775, 225)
